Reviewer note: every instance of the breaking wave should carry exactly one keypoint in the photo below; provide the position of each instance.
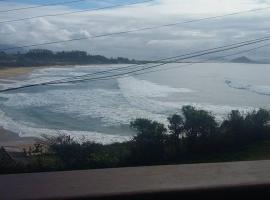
(25, 130)
(113, 104)
(258, 89)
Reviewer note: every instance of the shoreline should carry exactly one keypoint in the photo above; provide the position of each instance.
(16, 72)
(8, 139)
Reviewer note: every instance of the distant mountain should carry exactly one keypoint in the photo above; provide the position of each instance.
(243, 59)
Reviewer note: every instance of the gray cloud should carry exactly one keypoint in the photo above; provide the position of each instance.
(151, 44)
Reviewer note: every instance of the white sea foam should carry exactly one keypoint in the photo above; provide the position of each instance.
(133, 99)
(113, 107)
(45, 75)
(140, 94)
(259, 89)
(27, 131)
(143, 88)
(107, 105)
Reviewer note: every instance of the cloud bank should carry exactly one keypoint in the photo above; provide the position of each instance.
(150, 44)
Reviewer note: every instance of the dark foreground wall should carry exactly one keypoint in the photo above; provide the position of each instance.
(159, 182)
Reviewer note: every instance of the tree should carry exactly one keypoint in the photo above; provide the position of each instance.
(234, 127)
(176, 126)
(257, 124)
(198, 123)
(149, 143)
(39, 54)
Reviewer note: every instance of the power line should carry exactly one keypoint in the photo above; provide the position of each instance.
(119, 5)
(43, 5)
(164, 59)
(74, 12)
(202, 53)
(133, 30)
(157, 65)
(205, 60)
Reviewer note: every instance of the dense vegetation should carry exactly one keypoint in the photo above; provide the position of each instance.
(193, 136)
(43, 57)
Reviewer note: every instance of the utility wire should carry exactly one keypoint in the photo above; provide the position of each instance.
(161, 60)
(43, 5)
(132, 30)
(157, 65)
(151, 71)
(119, 5)
(137, 70)
(74, 12)
(204, 61)
(192, 56)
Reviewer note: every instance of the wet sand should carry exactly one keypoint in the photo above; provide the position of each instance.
(14, 71)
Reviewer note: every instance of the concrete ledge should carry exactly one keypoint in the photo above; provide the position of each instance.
(158, 182)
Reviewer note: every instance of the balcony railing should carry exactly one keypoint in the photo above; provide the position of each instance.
(158, 182)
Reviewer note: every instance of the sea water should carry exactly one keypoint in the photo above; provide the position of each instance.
(101, 111)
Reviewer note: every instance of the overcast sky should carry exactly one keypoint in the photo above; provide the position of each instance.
(151, 44)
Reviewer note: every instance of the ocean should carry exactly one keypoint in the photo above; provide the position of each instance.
(101, 110)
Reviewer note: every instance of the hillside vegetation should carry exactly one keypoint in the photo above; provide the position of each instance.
(43, 57)
(193, 136)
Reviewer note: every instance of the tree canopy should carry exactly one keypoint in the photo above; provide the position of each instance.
(194, 135)
(43, 57)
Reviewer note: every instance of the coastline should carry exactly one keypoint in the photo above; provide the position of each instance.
(9, 139)
(14, 72)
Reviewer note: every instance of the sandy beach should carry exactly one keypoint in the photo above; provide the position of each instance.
(14, 72)
(7, 138)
